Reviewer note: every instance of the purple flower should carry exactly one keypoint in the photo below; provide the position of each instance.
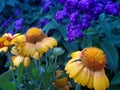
(87, 17)
(46, 4)
(113, 9)
(61, 1)
(97, 10)
(85, 5)
(43, 22)
(71, 3)
(7, 22)
(60, 15)
(11, 31)
(74, 17)
(18, 24)
(106, 1)
(73, 32)
(85, 24)
(17, 12)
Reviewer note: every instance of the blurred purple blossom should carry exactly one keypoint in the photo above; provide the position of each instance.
(7, 22)
(46, 4)
(84, 5)
(113, 9)
(71, 3)
(17, 12)
(60, 15)
(43, 22)
(74, 17)
(11, 31)
(18, 24)
(61, 1)
(73, 32)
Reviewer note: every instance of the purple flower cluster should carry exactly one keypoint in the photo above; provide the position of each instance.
(82, 12)
(18, 24)
(46, 4)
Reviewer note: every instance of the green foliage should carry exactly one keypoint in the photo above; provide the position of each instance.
(20, 73)
(116, 79)
(2, 4)
(111, 52)
(10, 85)
(5, 77)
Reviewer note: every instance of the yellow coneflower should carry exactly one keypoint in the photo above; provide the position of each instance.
(63, 83)
(33, 44)
(37, 43)
(87, 68)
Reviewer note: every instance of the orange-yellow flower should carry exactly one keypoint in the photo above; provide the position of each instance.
(87, 68)
(5, 41)
(37, 43)
(63, 83)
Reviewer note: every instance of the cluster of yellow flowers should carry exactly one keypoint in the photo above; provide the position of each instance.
(33, 44)
(86, 67)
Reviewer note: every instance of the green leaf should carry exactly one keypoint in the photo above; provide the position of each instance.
(2, 5)
(9, 85)
(86, 43)
(11, 2)
(20, 73)
(77, 87)
(5, 76)
(102, 17)
(116, 79)
(90, 31)
(115, 39)
(111, 53)
(70, 46)
(49, 26)
(62, 29)
(35, 73)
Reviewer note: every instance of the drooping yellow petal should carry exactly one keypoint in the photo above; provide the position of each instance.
(84, 76)
(26, 61)
(101, 81)
(17, 60)
(41, 47)
(36, 55)
(50, 42)
(90, 82)
(73, 68)
(29, 49)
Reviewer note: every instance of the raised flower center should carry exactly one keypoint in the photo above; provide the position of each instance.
(34, 34)
(93, 58)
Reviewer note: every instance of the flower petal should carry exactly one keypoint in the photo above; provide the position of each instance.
(101, 81)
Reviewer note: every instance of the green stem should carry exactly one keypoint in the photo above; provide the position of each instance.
(13, 74)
